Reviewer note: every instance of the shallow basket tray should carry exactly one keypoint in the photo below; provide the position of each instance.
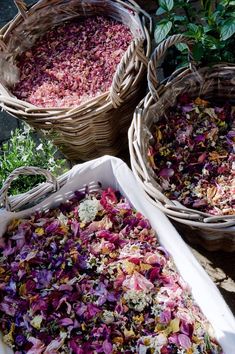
(98, 126)
(113, 172)
(212, 232)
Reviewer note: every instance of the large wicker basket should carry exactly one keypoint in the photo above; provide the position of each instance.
(213, 232)
(100, 125)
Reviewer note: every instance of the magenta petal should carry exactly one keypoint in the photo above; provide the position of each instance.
(173, 339)
(165, 316)
(166, 172)
(107, 347)
(154, 274)
(75, 347)
(66, 322)
(184, 341)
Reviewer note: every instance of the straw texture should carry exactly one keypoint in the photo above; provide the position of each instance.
(98, 126)
(213, 232)
(26, 197)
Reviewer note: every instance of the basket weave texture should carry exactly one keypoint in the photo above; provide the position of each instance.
(98, 126)
(217, 83)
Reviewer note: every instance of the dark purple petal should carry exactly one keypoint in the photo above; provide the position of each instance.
(166, 173)
(53, 226)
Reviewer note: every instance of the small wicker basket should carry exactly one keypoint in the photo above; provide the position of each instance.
(98, 126)
(212, 232)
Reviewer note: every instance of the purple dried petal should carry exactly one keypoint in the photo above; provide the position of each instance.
(187, 108)
(66, 322)
(20, 340)
(53, 226)
(6, 306)
(186, 328)
(165, 316)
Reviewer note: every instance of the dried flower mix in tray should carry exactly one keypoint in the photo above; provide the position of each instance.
(72, 63)
(193, 155)
(90, 277)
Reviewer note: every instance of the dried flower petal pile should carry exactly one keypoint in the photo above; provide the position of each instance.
(72, 63)
(90, 277)
(193, 155)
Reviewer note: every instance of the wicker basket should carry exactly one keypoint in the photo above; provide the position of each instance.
(213, 232)
(100, 125)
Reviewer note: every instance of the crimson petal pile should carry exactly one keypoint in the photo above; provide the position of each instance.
(90, 277)
(72, 63)
(193, 155)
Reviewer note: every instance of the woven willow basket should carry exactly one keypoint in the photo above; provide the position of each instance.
(218, 82)
(98, 126)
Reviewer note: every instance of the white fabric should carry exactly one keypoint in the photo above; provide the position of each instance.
(115, 173)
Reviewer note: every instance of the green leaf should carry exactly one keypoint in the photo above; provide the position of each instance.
(182, 47)
(212, 42)
(160, 11)
(193, 28)
(194, 31)
(166, 4)
(228, 29)
(198, 51)
(162, 30)
(179, 18)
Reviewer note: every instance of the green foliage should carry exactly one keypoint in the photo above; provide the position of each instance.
(22, 149)
(211, 25)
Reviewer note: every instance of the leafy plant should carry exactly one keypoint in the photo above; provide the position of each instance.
(24, 149)
(210, 25)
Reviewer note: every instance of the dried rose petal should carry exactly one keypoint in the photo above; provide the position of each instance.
(72, 63)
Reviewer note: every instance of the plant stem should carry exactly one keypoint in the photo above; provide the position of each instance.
(187, 13)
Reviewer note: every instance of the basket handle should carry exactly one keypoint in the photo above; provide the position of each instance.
(132, 5)
(135, 48)
(24, 171)
(160, 50)
(22, 8)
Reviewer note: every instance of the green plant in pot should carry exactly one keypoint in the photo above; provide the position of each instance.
(211, 24)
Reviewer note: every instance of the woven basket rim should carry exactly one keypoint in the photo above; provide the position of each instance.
(144, 173)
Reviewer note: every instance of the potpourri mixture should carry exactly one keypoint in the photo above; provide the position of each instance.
(193, 155)
(72, 63)
(90, 277)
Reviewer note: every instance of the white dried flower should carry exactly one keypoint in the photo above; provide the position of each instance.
(108, 317)
(88, 209)
(137, 300)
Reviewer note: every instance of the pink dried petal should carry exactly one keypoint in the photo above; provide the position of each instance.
(137, 282)
(184, 341)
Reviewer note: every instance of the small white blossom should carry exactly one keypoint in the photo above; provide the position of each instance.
(39, 147)
(137, 300)
(63, 219)
(156, 310)
(88, 210)
(108, 317)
